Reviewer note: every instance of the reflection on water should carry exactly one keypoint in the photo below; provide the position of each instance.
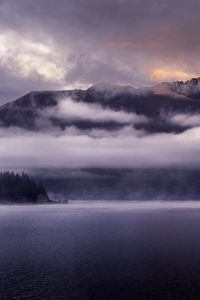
(100, 251)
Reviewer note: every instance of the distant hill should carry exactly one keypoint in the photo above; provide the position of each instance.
(39, 110)
(122, 184)
(15, 188)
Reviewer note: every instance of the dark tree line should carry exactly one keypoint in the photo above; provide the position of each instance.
(20, 188)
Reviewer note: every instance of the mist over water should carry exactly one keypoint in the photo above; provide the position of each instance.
(101, 250)
(134, 205)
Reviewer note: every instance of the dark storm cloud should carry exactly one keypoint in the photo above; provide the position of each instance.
(122, 20)
(118, 41)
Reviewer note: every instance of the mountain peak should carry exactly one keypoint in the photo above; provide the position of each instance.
(193, 81)
(179, 89)
(38, 110)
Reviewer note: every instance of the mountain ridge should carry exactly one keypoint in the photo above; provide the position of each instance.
(155, 103)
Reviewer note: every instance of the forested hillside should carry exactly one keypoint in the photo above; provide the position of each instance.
(21, 189)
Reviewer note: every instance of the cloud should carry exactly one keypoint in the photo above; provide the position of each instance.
(27, 64)
(74, 148)
(79, 43)
(29, 58)
(70, 110)
(137, 46)
(186, 120)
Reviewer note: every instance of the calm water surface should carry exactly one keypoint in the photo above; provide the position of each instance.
(100, 251)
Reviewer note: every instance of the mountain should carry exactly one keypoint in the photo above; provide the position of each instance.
(101, 106)
(123, 184)
(189, 89)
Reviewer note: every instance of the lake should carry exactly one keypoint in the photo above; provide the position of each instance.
(101, 250)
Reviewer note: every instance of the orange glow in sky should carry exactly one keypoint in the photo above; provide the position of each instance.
(167, 74)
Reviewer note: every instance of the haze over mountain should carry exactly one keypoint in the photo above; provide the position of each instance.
(103, 126)
(109, 107)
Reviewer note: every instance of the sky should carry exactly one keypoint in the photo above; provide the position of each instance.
(66, 44)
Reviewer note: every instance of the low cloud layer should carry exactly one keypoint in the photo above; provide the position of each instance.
(124, 147)
(68, 109)
(74, 148)
(186, 120)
